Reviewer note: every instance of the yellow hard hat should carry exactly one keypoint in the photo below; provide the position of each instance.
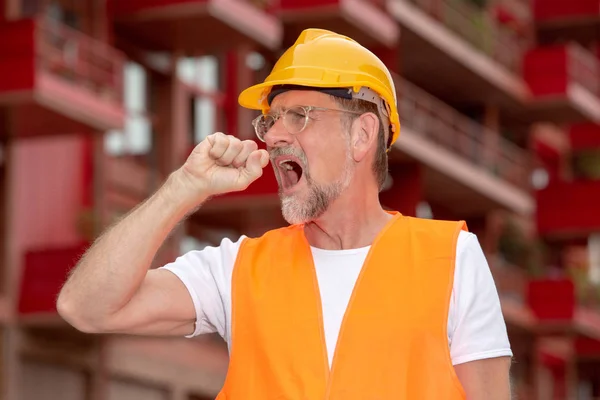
(325, 59)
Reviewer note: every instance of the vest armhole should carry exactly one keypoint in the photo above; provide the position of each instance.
(459, 226)
(235, 272)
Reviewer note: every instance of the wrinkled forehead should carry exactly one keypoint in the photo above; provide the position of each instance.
(301, 98)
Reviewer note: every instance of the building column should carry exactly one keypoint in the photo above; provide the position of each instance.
(11, 368)
(172, 127)
(172, 142)
(11, 268)
(555, 368)
(239, 118)
(10, 9)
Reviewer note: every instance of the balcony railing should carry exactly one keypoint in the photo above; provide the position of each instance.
(79, 59)
(478, 29)
(444, 126)
(583, 68)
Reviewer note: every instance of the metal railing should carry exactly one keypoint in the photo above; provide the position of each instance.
(478, 29)
(441, 124)
(80, 59)
(584, 68)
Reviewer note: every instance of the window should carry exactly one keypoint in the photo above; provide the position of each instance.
(136, 138)
(202, 77)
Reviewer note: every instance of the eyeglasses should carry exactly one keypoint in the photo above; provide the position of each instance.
(295, 119)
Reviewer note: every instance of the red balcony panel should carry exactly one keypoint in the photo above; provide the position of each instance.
(17, 55)
(584, 136)
(587, 347)
(549, 10)
(577, 20)
(363, 20)
(552, 299)
(195, 25)
(568, 209)
(44, 273)
(55, 80)
(565, 83)
(545, 70)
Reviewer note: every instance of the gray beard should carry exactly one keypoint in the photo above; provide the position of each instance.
(296, 211)
(320, 197)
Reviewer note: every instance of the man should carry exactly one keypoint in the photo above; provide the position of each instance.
(350, 301)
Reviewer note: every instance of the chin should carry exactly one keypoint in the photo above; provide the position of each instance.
(300, 211)
(293, 211)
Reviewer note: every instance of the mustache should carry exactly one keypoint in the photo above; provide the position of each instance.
(288, 151)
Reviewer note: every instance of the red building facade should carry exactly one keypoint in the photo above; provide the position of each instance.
(101, 99)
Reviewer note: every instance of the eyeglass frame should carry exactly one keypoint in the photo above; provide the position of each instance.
(307, 110)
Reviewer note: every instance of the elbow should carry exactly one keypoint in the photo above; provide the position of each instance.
(74, 316)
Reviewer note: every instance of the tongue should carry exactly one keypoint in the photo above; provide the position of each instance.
(291, 177)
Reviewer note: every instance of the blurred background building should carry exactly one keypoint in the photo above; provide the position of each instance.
(101, 99)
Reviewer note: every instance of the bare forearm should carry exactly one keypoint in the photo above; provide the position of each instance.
(113, 269)
(486, 379)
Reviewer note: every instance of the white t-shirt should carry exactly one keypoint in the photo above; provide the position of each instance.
(476, 328)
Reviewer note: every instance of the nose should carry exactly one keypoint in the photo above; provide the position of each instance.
(278, 136)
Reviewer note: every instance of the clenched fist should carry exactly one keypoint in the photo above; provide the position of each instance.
(221, 164)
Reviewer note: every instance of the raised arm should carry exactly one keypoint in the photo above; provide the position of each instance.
(112, 289)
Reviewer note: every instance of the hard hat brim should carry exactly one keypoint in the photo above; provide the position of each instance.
(255, 97)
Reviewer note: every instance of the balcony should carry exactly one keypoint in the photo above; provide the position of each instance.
(569, 209)
(55, 80)
(362, 20)
(193, 26)
(575, 19)
(543, 305)
(565, 84)
(44, 272)
(446, 43)
(465, 162)
(584, 137)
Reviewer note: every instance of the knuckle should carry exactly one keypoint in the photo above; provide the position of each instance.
(236, 145)
(251, 144)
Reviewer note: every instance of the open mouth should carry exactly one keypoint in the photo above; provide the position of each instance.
(290, 173)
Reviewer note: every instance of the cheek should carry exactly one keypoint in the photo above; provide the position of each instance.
(327, 164)
(326, 150)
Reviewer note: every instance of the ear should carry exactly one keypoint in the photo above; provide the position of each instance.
(364, 135)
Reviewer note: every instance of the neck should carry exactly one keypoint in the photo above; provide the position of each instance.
(352, 221)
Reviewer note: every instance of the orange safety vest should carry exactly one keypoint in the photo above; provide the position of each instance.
(392, 343)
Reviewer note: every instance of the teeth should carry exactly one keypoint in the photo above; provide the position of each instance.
(286, 164)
